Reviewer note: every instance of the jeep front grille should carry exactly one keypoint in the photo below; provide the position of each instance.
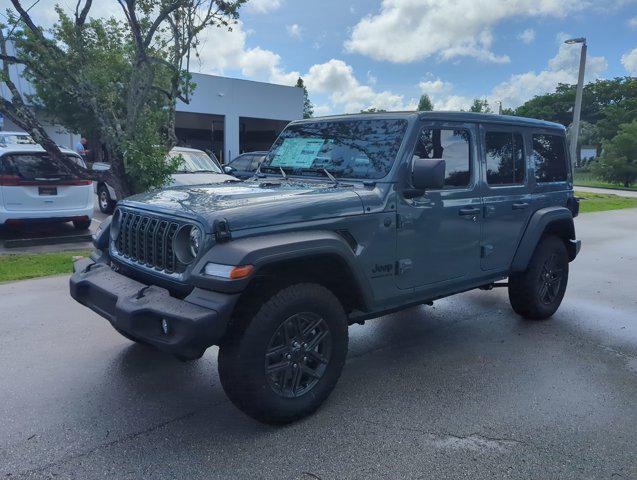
(148, 240)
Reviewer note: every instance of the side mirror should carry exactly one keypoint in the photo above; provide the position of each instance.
(428, 174)
(228, 169)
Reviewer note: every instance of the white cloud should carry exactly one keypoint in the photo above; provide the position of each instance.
(629, 61)
(410, 30)
(347, 94)
(527, 36)
(294, 31)
(563, 68)
(263, 6)
(633, 22)
(434, 87)
(223, 51)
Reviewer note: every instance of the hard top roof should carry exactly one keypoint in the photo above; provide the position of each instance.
(469, 117)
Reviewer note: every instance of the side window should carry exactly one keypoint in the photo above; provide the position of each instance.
(450, 145)
(242, 162)
(255, 160)
(505, 158)
(549, 155)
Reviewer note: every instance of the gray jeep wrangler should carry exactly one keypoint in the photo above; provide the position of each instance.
(348, 218)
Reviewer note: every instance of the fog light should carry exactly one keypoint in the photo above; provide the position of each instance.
(164, 326)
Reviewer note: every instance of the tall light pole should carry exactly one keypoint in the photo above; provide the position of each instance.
(577, 111)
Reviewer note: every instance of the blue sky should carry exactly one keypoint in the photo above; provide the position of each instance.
(452, 50)
(356, 54)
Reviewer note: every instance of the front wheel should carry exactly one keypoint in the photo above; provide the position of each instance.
(281, 364)
(537, 292)
(104, 200)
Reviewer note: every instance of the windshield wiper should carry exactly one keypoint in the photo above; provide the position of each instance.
(331, 177)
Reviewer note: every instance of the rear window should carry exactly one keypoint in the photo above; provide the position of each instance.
(36, 166)
(549, 156)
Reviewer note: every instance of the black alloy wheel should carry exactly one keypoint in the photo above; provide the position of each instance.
(298, 354)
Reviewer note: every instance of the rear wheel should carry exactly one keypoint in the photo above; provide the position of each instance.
(537, 292)
(81, 224)
(281, 364)
(104, 200)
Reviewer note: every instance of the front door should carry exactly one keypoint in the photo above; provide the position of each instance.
(439, 231)
(507, 201)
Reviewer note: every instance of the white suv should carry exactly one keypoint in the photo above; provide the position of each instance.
(36, 188)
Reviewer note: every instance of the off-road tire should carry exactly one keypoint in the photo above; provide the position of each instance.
(81, 224)
(242, 357)
(104, 200)
(526, 288)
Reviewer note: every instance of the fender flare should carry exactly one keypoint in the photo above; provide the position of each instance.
(265, 250)
(538, 224)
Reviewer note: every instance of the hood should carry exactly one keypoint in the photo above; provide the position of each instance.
(254, 204)
(198, 178)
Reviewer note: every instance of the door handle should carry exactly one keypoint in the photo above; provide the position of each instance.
(469, 211)
(519, 206)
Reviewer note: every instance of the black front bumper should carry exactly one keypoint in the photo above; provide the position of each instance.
(194, 324)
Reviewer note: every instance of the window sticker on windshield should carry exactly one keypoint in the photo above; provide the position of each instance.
(297, 152)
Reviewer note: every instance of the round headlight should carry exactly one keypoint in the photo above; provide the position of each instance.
(194, 241)
(187, 243)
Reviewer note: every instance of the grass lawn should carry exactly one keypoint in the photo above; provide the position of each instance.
(582, 179)
(22, 266)
(597, 202)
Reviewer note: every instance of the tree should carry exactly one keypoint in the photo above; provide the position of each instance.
(425, 104)
(120, 81)
(480, 106)
(619, 161)
(308, 108)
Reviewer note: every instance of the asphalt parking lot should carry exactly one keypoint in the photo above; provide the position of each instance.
(463, 389)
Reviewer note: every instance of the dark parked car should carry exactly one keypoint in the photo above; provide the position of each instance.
(355, 216)
(245, 165)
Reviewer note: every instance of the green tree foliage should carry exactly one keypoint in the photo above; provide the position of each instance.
(605, 103)
(480, 106)
(117, 82)
(308, 107)
(425, 104)
(619, 161)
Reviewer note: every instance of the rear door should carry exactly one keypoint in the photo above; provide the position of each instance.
(506, 194)
(36, 182)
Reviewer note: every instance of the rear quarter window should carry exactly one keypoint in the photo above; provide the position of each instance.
(549, 157)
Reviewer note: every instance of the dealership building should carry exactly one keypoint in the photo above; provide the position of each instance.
(228, 116)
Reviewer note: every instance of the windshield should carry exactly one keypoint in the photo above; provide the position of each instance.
(16, 139)
(195, 162)
(363, 149)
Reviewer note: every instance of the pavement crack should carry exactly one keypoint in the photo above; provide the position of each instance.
(116, 441)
